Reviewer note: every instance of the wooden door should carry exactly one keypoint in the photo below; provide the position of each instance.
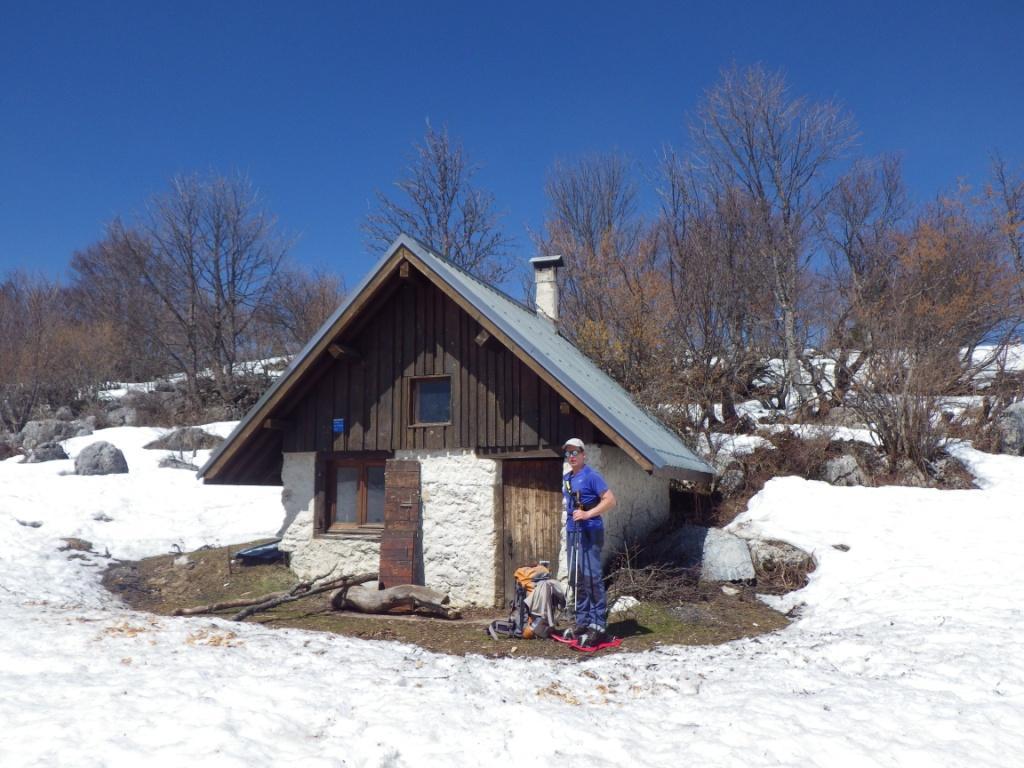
(533, 515)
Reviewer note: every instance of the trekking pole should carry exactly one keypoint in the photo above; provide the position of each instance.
(576, 576)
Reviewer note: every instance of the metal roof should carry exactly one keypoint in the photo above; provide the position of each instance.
(537, 338)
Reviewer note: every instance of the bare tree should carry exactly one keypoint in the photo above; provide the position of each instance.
(1006, 196)
(750, 134)
(208, 252)
(860, 227)
(108, 287)
(301, 301)
(937, 319)
(46, 357)
(439, 205)
(721, 313)
(614, 291)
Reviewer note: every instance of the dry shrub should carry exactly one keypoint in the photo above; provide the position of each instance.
(654, 583)
(789, 454)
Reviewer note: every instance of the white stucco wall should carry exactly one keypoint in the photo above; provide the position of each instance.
(311, 557)
(459, 530)
(642, 501)
(459, 533)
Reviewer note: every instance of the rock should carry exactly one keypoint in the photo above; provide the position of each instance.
(726, 557)
(44, 431)
(733, 479)
(771, 556)
(730, 591)
(624, 604)
(1010, 426)
(173, 462)
(720, 555)
(844, 470)
(78, 545)
(45, 452)
(100, 458)
(908, 473)
(29, 523)
(8, 446)
(123, 416)
(100, 517)
(64, 414)
(185, 439)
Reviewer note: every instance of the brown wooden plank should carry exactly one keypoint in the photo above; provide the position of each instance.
(440, 330)
(511, 398)
(423, 328)
(371, 393)
(497, 415)
(408, 359)
(451, 367)
(482, 390)
(386, 383)
(397, 424)
(529, 408)
(466, 392)
(473, 355)
(339, 404)
(324, 408)
(357, 397)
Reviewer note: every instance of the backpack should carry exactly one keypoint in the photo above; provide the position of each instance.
(520, 624)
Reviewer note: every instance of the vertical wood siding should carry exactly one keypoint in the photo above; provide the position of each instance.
(414, 329)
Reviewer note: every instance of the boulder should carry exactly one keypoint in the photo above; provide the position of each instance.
(771, 556)
(123, 416)
(720, 555)
(8, 446)
(45, 452)
(52, 431)
(1011, 430)
(844, 470)
(731, 480)
(173, 462)
(726, 557)
(100, 458)
(185, 439)
(64, 413)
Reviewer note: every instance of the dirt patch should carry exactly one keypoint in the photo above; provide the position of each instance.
(162, 584)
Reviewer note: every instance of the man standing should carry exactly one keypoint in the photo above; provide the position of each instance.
(587, 497)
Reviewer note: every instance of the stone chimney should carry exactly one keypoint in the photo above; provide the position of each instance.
(545, 276)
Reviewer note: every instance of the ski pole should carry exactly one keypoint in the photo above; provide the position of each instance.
(576, 575)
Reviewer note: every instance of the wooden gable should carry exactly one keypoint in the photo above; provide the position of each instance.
(413, 329)
(403, 327)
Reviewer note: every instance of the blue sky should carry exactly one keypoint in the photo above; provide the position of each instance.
(319, 103)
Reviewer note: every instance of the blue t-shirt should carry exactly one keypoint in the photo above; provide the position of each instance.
(591, 486)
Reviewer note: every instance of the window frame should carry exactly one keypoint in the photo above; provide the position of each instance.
(363, 464)
(414, 400)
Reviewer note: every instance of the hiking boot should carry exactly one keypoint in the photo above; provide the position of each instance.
(592, 637)
(575, 633)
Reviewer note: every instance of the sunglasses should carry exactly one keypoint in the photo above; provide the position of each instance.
(572, 453)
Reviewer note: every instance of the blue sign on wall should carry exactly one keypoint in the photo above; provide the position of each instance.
(338, 425)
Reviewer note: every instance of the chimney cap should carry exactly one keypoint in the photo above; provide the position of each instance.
(546, 262)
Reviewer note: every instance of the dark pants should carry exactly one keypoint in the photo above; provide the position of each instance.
(585, 545)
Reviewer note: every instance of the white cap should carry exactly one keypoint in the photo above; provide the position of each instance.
(575, 442)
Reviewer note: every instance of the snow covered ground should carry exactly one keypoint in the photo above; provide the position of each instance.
(907, 652)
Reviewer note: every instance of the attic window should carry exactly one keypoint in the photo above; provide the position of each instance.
(431, 400)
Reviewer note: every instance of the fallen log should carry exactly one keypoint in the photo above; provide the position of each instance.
(419, 598)
(298, 591)
(342, 581)
(216, 607)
